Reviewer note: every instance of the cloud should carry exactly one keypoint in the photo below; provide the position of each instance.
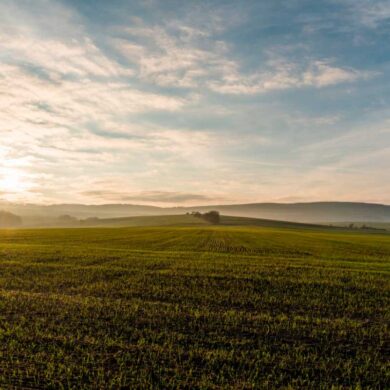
(284, 75)
(322, 74)
(70, 101)
(59, 59)
(51, 82)
(197, 60)
(172, 60)
(369, 13)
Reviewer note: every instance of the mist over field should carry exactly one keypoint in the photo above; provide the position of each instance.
(318, 212)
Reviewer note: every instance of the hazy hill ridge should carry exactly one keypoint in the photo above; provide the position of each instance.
(296, 212)
(8, 219)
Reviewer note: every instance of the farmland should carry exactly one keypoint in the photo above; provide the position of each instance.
(194, 306)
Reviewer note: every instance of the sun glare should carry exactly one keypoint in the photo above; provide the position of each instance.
(12, 181)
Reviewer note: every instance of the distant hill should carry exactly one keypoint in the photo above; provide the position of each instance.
(316, 212)
(81, 210)
(190, 220)
(66, 221)
(8, 219)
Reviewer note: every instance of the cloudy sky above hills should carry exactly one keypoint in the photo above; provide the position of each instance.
(194, 102)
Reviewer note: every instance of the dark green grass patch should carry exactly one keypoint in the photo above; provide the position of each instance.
(194, 307)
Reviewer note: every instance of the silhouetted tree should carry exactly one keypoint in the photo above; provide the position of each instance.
(212, 217)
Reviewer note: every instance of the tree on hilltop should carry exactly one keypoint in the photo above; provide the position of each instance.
(211, 216)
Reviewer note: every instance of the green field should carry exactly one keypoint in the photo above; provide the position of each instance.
(194, 307)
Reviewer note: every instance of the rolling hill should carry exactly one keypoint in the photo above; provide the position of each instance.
(316, 212)
(191, 220)
(308, 212)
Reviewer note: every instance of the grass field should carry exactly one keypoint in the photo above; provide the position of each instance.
(196, 307)
(358, 225)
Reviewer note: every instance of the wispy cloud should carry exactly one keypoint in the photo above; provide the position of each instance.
(192, 58)
(172, 60)
(370, 13)
(283, 75)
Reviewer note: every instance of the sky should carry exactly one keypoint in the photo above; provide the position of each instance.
(194, 102)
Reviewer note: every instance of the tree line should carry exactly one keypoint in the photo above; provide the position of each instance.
(210, 216)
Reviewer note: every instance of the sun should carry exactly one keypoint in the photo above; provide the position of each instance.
(12, 181)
